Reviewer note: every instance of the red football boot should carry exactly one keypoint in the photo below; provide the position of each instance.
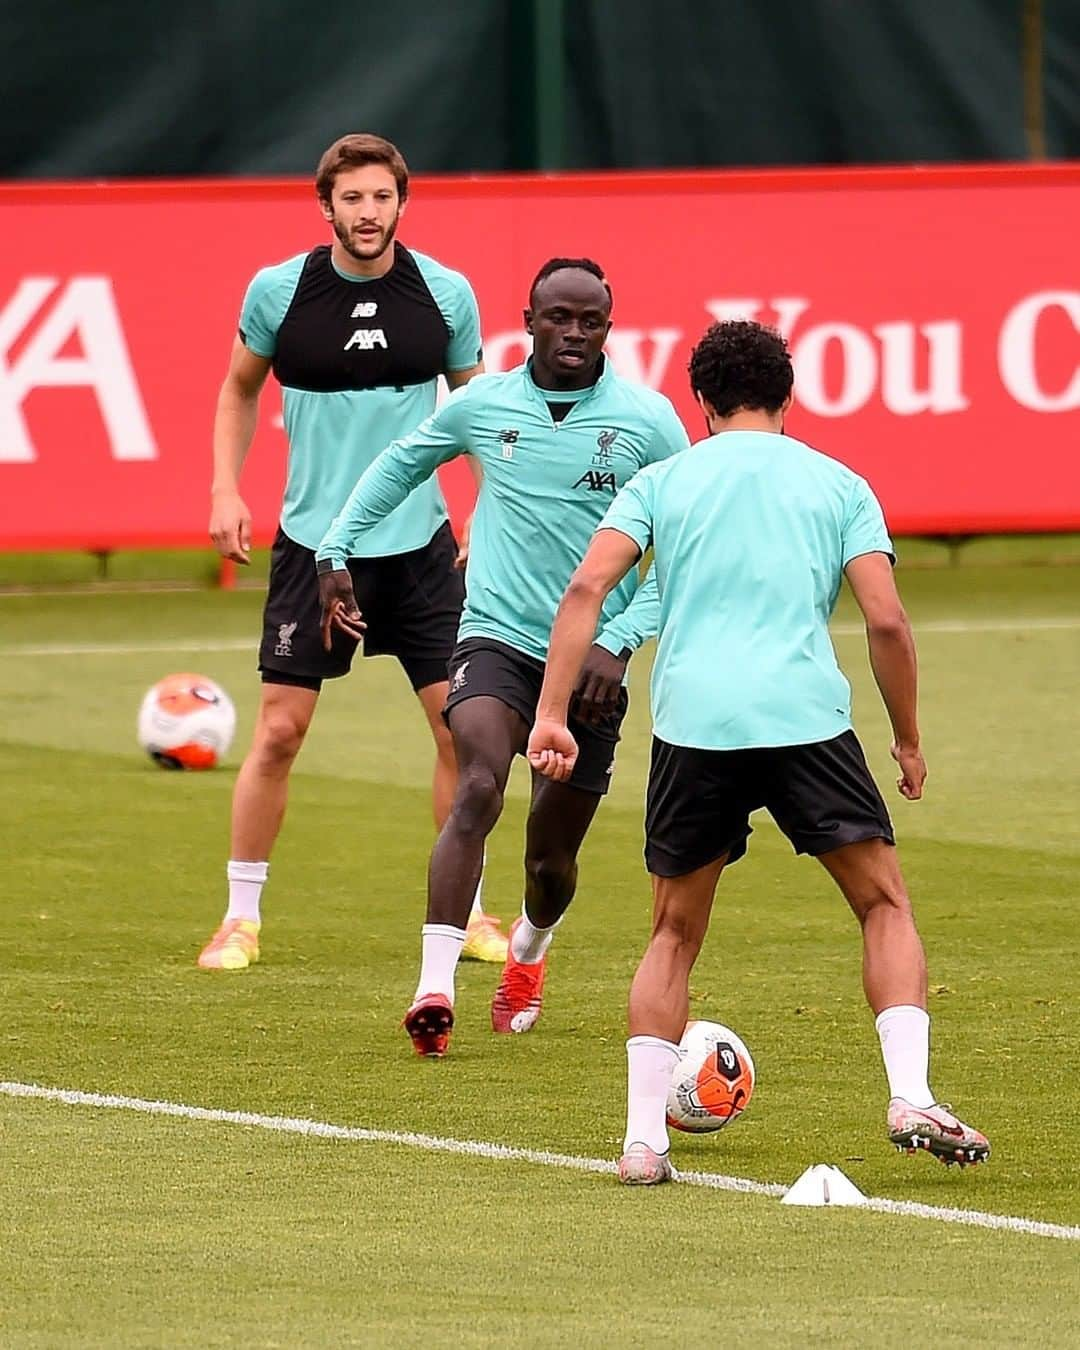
(429, 1023)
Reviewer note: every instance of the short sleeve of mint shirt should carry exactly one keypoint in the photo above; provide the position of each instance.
(457, 304)
(631, 513)
(863, 529)
(670, 436)
(266, 304)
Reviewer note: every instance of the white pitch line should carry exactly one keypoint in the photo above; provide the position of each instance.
(1063, 623)
(114, 588)
(134, 649)
(946, 626)
(504, 1153)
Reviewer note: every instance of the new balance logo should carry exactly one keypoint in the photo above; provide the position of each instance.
(366, 339)
(596, 481)
(459, 680)
(284, 639)
(366, 309)
(508, 438)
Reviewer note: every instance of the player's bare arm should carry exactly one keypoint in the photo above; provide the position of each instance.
(552, 749)
(455, 379)
(601, 680)
(893, 661)
(234, 430)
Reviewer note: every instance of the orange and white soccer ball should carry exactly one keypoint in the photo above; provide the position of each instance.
(186, 722)
(713, 1080)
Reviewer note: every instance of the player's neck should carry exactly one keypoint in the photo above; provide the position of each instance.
(554, 382)
(344, 261)
(747, 419)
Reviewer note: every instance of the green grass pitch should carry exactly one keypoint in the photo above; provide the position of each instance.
(119, 1229)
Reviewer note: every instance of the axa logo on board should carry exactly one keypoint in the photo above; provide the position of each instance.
(42, 317)
(914, 366)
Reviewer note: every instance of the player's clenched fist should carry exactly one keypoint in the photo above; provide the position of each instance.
(552, 750)
(912, 771)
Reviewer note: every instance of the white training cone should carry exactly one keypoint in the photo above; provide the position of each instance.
(823, 1185)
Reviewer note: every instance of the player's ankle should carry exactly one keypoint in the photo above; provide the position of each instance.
(904, 1032)
(528, 941)
(246, 881)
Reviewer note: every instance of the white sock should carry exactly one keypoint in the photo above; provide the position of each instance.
(904, 1032)
(477, 911)
(246, 880)
(528, 944)
(650, 1062)
(440, 947)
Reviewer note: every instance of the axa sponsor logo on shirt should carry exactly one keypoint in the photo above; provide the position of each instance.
(597, 481)
(600, 477)
(365, 339)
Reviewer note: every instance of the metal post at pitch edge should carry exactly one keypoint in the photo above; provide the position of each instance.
(549, 82)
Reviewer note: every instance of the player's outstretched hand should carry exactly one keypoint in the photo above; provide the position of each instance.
(339, 607)
(463, 546)
(552, 750)
(230, 526)
(912, 771)
(598, 685)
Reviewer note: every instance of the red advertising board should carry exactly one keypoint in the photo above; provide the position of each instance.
(933, 315)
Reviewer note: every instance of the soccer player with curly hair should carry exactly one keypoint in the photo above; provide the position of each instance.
(753, 533)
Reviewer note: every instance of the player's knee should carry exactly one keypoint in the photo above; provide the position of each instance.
(681, 929)
(278, 737)
(882, 896)
(478, 801)
(551, 873)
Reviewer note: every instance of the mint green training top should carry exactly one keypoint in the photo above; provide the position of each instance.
(358, 360)
(546, 486)
(752, 532)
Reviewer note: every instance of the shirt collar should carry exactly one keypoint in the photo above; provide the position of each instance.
(552, 395)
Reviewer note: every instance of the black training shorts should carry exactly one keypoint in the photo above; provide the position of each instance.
(699, 801)
(411, 603)
(483, 668)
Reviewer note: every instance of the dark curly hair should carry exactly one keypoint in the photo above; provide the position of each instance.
(739, 364)
(565, 265)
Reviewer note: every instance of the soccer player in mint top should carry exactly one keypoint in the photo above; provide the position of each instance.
(753, 533)
(556, 439)
(357, 332)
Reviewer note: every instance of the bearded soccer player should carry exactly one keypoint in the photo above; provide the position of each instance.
(556, 439)
(357, 333)
(753, 534)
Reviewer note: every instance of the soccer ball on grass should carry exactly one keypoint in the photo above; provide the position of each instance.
(713, 1080)
(186, 722)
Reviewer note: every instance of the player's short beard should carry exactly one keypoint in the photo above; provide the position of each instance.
(345, 239)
